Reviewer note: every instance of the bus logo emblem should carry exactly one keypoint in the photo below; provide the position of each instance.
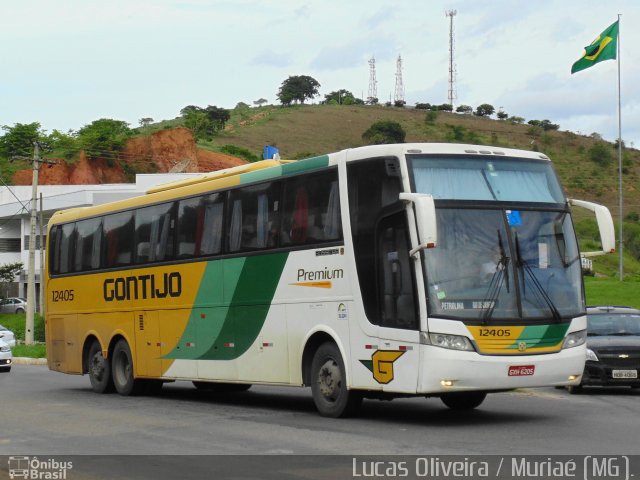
(522, 346)
(381, 364)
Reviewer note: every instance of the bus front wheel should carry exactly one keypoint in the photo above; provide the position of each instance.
(463, 400)
(122, 370)
(99, 369)
(329, 386)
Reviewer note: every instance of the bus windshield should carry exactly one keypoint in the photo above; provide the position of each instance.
(473, 178)
(496, 264)
(498, 260)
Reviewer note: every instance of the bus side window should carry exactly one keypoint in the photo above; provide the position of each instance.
(62, 250)
(254, 217)
(396, 301)
(190, 223)
(118, 232)
(311, 209)
(154, 235)
(88, 241)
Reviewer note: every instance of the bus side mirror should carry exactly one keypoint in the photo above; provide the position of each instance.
(425, 218)
(605, 226)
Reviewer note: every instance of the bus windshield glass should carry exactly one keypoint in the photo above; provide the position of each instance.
(502, 254)
(497, 179)
(498, 264)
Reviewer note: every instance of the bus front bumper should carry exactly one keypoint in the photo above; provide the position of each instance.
(459, 371)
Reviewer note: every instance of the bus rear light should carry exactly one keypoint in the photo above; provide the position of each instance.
(371, 347)
(229, 345)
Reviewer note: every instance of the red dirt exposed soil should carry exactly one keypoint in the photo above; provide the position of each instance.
(160, 152)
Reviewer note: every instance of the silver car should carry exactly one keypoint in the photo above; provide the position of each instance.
(13, 305)
(7, 336)
(6, 358)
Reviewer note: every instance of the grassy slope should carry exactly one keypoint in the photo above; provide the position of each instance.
(316, 129)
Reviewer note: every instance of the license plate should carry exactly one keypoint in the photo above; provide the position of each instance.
(521, 370)
(624, 374)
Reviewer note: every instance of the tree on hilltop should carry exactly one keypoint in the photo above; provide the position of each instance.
(298, 88)
(104, 138)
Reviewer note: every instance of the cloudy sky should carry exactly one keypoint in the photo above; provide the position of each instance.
(66, 63)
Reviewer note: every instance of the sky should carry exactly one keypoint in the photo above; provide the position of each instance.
(66, 63)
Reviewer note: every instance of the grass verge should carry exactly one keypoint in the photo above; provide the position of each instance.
(38, 350)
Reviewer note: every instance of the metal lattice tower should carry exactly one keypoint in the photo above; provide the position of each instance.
(453, 95)
(399, 95)
(373, 83)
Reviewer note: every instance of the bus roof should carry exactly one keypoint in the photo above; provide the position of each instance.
(266, 169)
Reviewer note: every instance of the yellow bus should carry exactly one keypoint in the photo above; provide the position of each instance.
(417, 269)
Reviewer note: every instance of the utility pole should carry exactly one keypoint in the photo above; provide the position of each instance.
(41, 258)
(36, 162)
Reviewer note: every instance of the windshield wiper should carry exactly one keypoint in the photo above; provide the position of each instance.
(499, 277)
(539, 290)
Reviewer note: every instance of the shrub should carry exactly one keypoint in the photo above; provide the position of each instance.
(385, 131)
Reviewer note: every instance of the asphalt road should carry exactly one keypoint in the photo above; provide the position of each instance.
(57, 414)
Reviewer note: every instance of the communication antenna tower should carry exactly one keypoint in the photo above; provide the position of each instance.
(452, 67)
(399, 95)
(373, 83)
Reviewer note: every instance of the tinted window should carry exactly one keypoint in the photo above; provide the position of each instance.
(88, 244)
(154, 233)
(254, 217)
(118, 239)
(200, 224)
(62, 261)
(311, 209)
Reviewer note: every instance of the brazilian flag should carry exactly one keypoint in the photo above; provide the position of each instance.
(602, 48)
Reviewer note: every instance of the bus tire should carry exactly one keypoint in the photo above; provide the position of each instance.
(329, 386)
(221, 387)
(463, 400)
(99, 369)
(122, 370)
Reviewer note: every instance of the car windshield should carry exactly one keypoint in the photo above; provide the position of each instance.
(613, 324)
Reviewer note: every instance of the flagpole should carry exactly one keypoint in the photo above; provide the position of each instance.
(620, 155)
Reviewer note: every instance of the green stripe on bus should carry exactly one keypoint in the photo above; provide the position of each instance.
(306, 164)
(259, 175)
(541, 336)
(227, 331)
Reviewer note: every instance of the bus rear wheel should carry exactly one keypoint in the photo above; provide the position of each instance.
(463, 400)
(99, 369)
(122, 370)
(329, 386)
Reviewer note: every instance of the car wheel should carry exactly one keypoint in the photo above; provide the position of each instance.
(19, 310)
(99, 369)
(122, 370)
(329, 386)
(463, 400)
(574, 389)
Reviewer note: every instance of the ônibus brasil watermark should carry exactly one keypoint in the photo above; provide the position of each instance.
(33, 468)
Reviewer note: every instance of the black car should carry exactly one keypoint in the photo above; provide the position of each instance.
(613, 348)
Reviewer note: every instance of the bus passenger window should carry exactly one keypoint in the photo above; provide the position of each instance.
(154, 235)
(311, 209)
(64, 248)
(118, 234)
(254, 217)
(88, 241)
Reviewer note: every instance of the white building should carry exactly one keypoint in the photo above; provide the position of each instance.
(15, 220)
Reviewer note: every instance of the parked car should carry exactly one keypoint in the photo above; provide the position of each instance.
(613, 348)
(13, 305)
(6, 358)
(7, 336)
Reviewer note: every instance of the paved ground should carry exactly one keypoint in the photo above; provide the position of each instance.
(48, 412)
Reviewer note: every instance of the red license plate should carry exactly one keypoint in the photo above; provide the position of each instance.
(521, 370)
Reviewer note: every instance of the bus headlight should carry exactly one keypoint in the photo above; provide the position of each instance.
(575, 339)
(591, 355)
(452, 342)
